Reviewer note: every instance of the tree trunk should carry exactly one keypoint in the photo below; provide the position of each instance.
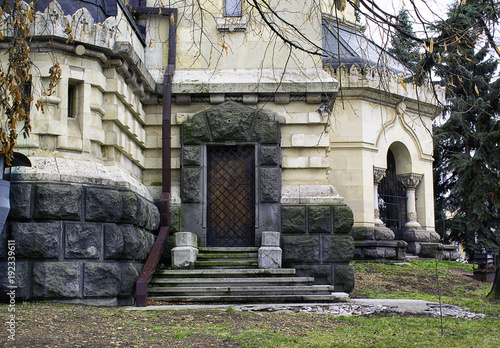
(495, 289)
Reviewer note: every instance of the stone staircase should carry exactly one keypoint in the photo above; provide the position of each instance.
(232, 275)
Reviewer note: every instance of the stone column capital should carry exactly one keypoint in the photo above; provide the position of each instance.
(378, 174)
(410, 180)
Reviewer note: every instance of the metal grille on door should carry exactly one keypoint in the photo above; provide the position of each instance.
(230, 197)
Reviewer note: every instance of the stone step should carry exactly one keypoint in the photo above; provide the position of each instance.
(239, 281)
(244, 290)
(202, 256)
(251, 272)
(227, 263)
(332, 298)
(228, 250)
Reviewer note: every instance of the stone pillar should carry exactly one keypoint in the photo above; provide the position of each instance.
(270, 251)
(378, 175)
(185, 251)
(411, 181)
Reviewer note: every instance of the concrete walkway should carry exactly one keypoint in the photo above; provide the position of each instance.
(354, 307)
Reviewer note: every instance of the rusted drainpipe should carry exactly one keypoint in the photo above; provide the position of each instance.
(157, 249)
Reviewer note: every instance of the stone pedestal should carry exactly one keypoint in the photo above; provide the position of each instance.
(270, 251)
(185, 251)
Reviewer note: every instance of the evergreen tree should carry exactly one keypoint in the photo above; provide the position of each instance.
(467, 152)
(402, 45)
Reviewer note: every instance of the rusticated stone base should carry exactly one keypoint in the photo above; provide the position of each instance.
(316, 242)
(380, 250)
(377, 243)
(76, 242)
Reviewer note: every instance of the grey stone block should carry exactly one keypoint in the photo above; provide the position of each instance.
(337, 248)
(430, 250)
(191, 185)
(56, 279)
(269, 257)
(21, 207)
(134, 243)
(293, 219)
(191, 155)
(19, 280)
(58, 202)
(101, 279)
(192, 220)
(270, 179)
(344, 275)
(343, 219)
(175, 218)
(270, 155)
(83, 240)
(229, 121)
(270, 217)
(103, 205)
(383, 233)
(153, 216)
(194, 132)
(129, 274)
(320, 219)
(37, 240)
(130, 206)
(270, 238)
(113, 242)
(363, 233)
(300, 248)
(374, 253)
(186, 239)
(265, 131)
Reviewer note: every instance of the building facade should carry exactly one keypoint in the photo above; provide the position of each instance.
(263, 134)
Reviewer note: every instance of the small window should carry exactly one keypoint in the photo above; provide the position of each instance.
(232, 8)
(27, 96)
(74, 98)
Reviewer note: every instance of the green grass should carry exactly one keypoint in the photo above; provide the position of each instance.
(231, 328)
(420, 276)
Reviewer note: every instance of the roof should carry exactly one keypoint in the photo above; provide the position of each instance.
(100, 9)
(348, 46)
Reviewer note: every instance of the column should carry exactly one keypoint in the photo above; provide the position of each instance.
(411, 181)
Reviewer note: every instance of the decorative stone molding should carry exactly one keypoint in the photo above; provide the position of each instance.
(410, 180)
(378, 174)
(231, 23)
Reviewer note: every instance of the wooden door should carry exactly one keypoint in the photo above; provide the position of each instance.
(230, 197)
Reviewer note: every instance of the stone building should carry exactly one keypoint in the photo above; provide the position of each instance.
(234, 135)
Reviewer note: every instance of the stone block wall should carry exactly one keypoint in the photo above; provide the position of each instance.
(316, 241)
(84, 243)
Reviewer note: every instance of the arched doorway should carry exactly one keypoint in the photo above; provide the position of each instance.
(392, 198)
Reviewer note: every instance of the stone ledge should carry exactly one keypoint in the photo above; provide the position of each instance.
(57, 169)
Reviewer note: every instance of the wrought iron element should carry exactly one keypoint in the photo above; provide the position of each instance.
(392, 200)
(230, 197)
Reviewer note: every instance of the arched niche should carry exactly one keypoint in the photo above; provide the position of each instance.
(402, 157)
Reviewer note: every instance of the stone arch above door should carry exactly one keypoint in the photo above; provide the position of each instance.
(230, 124)
(230, 121)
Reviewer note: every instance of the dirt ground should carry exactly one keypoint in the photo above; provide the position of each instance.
(60, 325)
